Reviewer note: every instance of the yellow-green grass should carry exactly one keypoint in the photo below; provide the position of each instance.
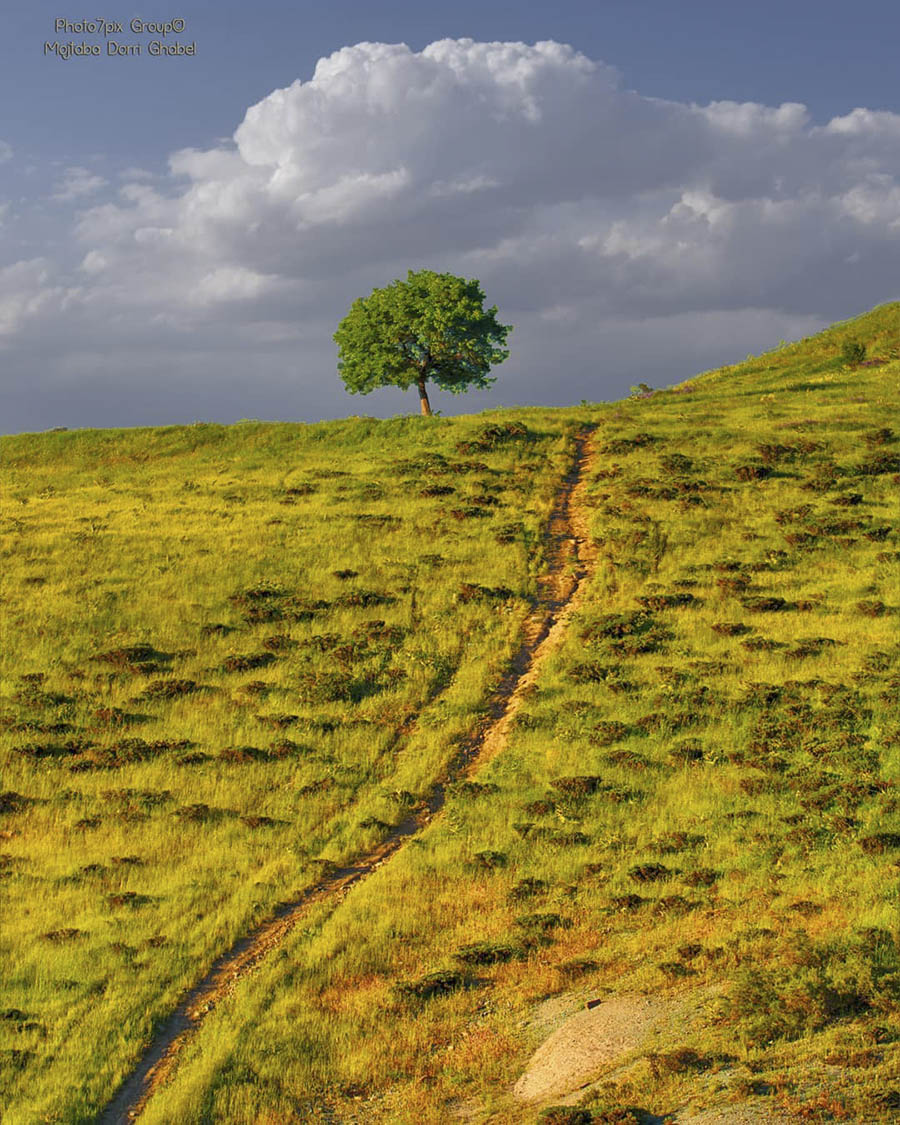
(763, 780)
(146, 834)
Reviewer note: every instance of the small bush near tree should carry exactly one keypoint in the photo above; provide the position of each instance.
(853, 351)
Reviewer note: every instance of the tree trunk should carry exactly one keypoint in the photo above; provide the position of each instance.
(423, 398)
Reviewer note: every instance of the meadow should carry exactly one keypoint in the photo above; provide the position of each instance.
(233, 656)
(238, 655)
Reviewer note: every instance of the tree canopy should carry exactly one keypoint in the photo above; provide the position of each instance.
(432, 327)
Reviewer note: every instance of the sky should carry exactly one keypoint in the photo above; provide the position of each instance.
(644, 189)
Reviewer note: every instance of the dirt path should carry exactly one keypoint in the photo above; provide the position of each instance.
(570, 557)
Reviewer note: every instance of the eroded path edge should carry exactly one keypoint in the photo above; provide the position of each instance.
(570, 562)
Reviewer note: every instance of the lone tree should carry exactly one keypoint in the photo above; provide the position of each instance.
(433, 326)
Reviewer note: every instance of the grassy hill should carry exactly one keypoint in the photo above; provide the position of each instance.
(236, 657)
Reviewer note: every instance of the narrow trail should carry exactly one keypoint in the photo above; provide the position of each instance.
(570, 559)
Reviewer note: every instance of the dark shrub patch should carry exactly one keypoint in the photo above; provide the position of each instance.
(576, 967)
(285, 747)
(579, 786)
(674, 904)
(853, 352)
(490, 859)
(752, 472)
(11, 802)
(278, 720)
(321, 786)
(667, 601)
(649, 872)
(676, 464)
(474, 788)
(216, 629)
(793, 515)
(115, 717)
(438, 490)
(880, 842)
(627, 445)
(527, 888)
(627, 902)
(565, 1115)
(470, 591)
(884, 436)
(542, 921)
(806, 908)
(324, 687)
(376, 519)
(439, 983)
(627, 759)
(364, 599)
(170, 689)
(489, 437)
(486, 953)
(193, 759)
(260, 592)
(143, 657)
(199, 814)
(733, 583)
(767, 605)
(606, 733)
(700, 876)
(467, 467)
(529, 831)
(683, 1060)
(280, 642)
(128, 898)
(762, 644)
(508, 533)
(871, 608)
(671, 842)
(254, 821)
(731, 628)
(675, 969)
(468, 513)
(371, 822)
(68, 934)
(687, 751)
(877, 464)
(241, 754)
(244, 662)
(263, 613)
(39, 750)
(569, 839)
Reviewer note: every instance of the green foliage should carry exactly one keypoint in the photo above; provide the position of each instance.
(852, 351)
(433, 327)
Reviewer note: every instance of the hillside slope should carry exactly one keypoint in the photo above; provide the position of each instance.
(697, 800)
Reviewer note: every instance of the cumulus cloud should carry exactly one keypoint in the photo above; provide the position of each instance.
(583, 206)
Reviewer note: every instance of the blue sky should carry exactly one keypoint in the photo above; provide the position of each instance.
(629, 191)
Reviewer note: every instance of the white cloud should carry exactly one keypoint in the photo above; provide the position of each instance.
(77, 182)
(6, 151)
(581, 205)
(26, 289)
